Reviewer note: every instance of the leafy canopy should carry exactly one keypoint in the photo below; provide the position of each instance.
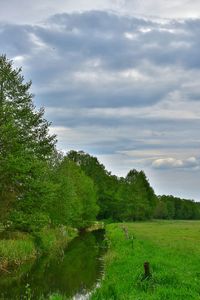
(25, 143)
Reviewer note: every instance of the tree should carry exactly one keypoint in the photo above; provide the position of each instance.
(75, 201)
(140, 200)
(119, 199)
(25, 144)
(170, 207)
(101, 178)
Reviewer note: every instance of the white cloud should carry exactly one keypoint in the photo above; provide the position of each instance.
(165, 163)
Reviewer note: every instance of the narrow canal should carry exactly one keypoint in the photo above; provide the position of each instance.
(74, 274)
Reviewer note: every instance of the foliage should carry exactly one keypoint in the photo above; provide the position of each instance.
(170, 207)
(50, 240)
(31, 222)
(75, 196)
(130, 198)
(140, 197)
(25, 144)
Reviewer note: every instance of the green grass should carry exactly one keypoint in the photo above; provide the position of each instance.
(171, 247)
(19, 247)
(13, 252)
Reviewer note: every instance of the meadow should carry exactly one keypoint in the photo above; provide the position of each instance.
(171, 247)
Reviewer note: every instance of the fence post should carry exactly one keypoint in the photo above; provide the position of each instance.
(147, 270)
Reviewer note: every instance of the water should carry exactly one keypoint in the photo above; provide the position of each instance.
(74, 274)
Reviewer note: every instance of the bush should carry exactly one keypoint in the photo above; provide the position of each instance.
(29, 222)
(53, 239)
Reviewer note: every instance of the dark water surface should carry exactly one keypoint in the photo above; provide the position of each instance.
(73, 274)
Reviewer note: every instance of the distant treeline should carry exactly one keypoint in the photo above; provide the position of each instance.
(41, 187)
(170, 207)
(131, 198)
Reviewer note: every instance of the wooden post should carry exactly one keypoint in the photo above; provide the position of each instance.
(147, 270)
(125, 232)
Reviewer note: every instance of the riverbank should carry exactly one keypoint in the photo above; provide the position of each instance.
(15, 251)
(17, 247)
(171, 247)
(73, 273)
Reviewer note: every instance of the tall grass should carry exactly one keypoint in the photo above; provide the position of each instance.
(13, 252)
(19, 247)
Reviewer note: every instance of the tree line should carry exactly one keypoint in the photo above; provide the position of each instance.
(39, 186)
(131, 198)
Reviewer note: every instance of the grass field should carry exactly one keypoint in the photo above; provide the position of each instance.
(171, 247)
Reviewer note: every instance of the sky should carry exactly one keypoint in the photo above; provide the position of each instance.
(119, 79)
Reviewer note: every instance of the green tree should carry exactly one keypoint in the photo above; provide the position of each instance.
(170, 207)
(120, 199)
(25, 145)
(101, 178)
(140, 200)
(75, 202)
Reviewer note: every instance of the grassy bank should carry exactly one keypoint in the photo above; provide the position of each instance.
(171, 247)
(14, 252)
(17, 248)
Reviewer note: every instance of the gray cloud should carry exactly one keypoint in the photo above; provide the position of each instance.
(28, 11)
(120, 87)
(111, 59)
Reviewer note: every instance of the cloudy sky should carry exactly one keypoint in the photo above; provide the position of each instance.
(119, 79)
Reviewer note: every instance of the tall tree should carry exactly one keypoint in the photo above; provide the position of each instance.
(140, 201)
(25, 143)
(75, 201)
